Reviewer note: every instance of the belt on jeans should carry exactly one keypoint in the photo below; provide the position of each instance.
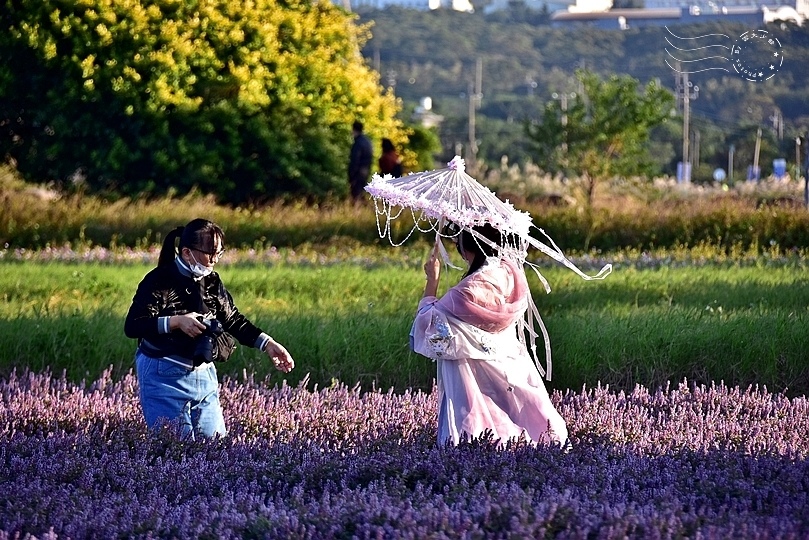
(147, 349)
(186, 365)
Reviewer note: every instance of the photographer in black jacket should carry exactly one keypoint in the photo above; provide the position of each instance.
(185, 320)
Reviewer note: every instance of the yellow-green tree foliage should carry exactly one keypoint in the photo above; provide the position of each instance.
(247, 100)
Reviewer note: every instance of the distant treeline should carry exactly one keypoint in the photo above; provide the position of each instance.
(524, 62)
(35, 219)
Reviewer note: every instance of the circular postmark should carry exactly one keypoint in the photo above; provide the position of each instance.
(756, 55)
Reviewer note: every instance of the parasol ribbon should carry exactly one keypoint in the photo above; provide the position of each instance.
(532, 315)
(557, 255)
(441, 249)
(518, 254)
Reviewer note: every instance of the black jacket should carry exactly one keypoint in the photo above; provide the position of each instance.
(164, 292)
(359, 162)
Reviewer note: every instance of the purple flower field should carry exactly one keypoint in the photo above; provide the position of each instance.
(689, 462)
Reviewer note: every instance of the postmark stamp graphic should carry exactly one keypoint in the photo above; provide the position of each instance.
(757, 56)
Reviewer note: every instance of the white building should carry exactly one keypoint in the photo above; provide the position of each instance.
(600, 12)
(590, 6)
(717, 6)
(536, 5)
(424, 115)
(423, 5)
(796, 10)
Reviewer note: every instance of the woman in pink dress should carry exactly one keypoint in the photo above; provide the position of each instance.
(486, 379)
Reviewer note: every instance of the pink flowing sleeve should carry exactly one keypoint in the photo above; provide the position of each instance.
(491, 299)
(431, 335)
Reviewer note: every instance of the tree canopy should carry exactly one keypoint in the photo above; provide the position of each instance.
(524, 61)
(244, 100)
(603, 130)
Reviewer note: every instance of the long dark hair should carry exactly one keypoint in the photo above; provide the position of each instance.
(481, 249)
(199, 234)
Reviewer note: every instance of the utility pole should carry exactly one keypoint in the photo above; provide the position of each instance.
(756, 172)
(686, 132)
(686, 91)
(473, 147)
(530, 85)
(777, 124)
(562, 98)
(806, 172)
(475, 98)
(478, 82)
(730, 164)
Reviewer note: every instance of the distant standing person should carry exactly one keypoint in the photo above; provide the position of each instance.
(185, 320)
(390, 162)
(359, 162)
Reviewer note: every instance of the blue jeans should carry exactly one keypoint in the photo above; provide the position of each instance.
(188, 399)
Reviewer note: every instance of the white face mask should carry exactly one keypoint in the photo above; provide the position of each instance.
(199, 270)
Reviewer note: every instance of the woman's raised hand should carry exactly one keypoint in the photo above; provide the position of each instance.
(432, 268)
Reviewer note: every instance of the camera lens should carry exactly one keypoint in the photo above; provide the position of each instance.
(206, 343)
(204, 349)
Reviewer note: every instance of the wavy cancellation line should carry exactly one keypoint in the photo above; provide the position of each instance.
(694, 59)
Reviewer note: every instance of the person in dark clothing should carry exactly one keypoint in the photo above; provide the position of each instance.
(390, 162)
(185, 320)
(359, 162)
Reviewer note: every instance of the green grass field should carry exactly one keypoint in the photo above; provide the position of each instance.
(350, 322)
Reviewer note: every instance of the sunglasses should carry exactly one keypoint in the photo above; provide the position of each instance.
(216, 254)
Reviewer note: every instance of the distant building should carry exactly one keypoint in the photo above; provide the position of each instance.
(536, 5)
(622, 19)
(424, 114)
(671, 12)
(421, 5)
(716, 6)
(599, 13)
(588, 6)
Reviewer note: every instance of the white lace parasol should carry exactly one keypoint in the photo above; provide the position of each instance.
(444, 195)
(435, 198)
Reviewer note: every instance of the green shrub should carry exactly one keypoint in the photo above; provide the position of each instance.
(33, 217)
(244, 101)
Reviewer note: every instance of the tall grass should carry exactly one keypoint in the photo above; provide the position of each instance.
(627, 214)
(740, 325)
(350, 322)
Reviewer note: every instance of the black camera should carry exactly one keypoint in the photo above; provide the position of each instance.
(206, 343)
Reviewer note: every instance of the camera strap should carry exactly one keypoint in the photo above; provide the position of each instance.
(199, 298)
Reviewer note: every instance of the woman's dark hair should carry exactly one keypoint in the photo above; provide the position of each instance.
(387, 145)
(481, 249)
(199, 234)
